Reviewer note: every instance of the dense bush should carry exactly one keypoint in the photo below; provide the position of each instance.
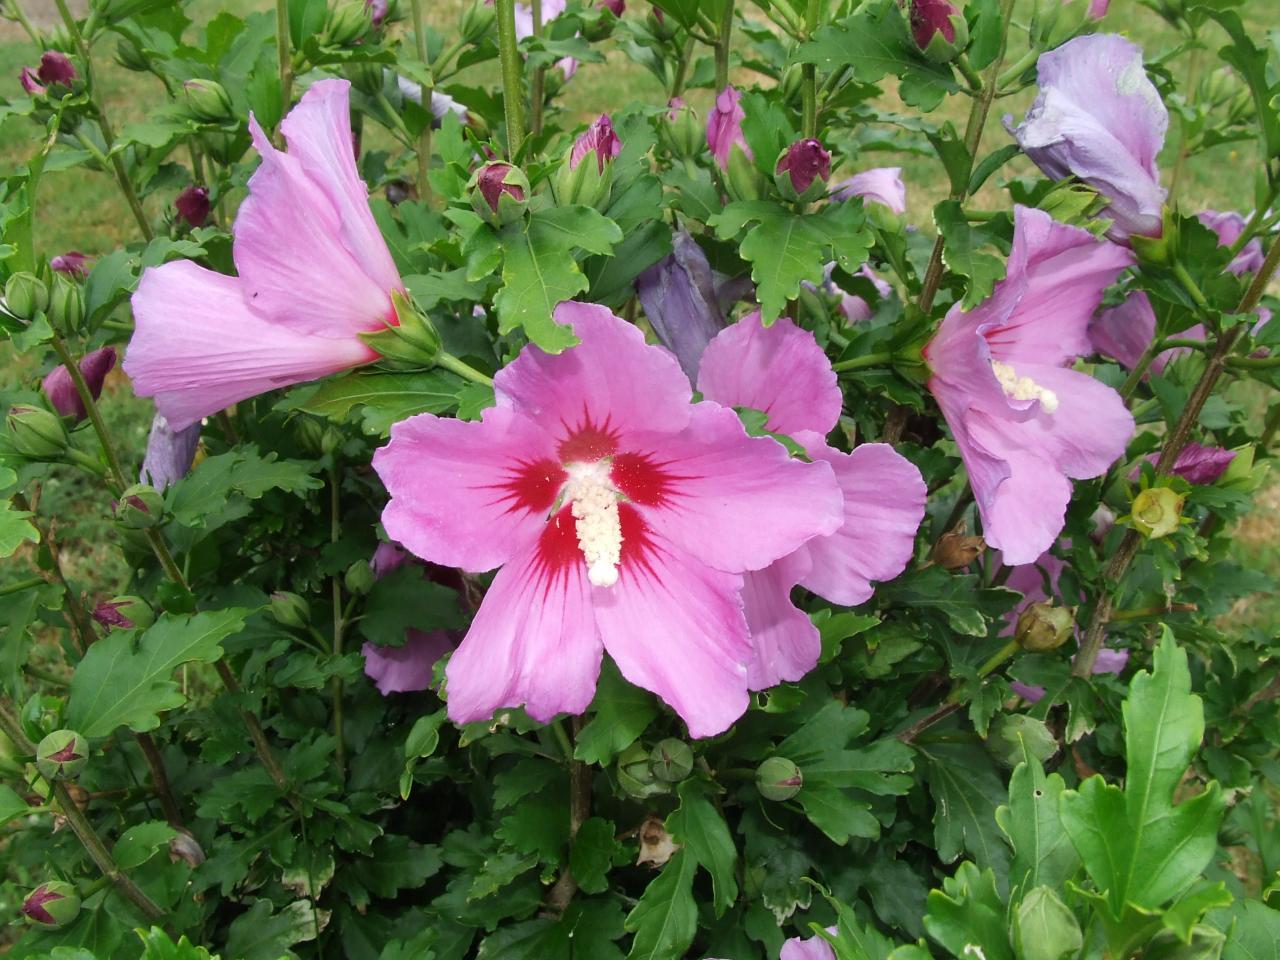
(639, 538)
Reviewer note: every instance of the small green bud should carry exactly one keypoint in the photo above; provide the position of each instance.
(289, 609)
(1157, 251)
(414, 338)
(207, 101)
(742, 180)
(124, 613)
(130, 56)
(26, 295)
(477, 22)
(1157, 512)
(659, 24)
(51, 905)
(66, 304)
(37, 433)
(359, 578)
(635, 775)
(347, 23)
(671, 760)
(62, 755)
(680, 131)
(778, 779)
(1043, 627)
(140, 507)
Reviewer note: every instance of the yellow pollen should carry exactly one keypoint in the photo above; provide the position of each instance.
(1023, 388)
(594, 504)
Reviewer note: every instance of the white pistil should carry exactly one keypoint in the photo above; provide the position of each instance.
(594, 503)
(1023, 388)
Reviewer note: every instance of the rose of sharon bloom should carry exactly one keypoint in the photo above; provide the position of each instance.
(1228, 226)
(1099, 118)
(881, 185)
(1024, 421)
(598, 138)
(782, 371)
(314, 273)
(407, 668)
(73, 263)
(724, 127)
(62, 392)
(679, 298)
(622, 517)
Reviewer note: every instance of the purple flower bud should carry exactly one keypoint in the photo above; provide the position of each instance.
(929, 17)
(1196, 464)
(1228, 226)
(724, 127)
(492, 184)
(674, 107)
(600, 138)
(616, 7)
(192, 205)
(805, 161)
(169, 452)
(378, 10)
(1097, 9)
(51, 905)
(30, 82)
(124, 613)
(56, 67)
(73, 263)
(881, 185)
(62, 392)
(679, 299)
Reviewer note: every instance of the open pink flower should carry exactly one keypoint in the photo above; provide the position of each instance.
(1024, 421)
(314, 273)
(781, 371)
(622, 517)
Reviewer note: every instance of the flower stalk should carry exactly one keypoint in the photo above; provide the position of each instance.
(283, 54)
(424, 138)
(723, 37)
(512, 75)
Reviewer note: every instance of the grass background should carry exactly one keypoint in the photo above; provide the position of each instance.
(81, 210)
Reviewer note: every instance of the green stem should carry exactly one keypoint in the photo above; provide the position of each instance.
(335, 534)
(512, 75)
(879, 359)
(955, 699)
(682, 69)
(464, 370)
(1192, 288)
(539, 75)
(116, 166)
(19, 585)
(1253, 363)
(48, 676)
(975, 81)
(424, 138)
(20, 15)
(284, 55)
(115, 473)
(723, 37)
(566, 886)
(1019, 66)
(993, 661)
(1159, 610)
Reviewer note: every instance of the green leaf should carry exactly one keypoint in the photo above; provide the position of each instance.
(1251, 61)
(12, 806)
(957, 599)
(699, 827)
(1139, 848)
(966, 791)
(384, 398)
(962, 249)
(539, 270)
(1253, 931)
(967, 916)
(395, 863)
(157, 946)
(1042, 853)
(201, 497)
(137, 844)
(16, 529)
(119, 684)
(1045, 928)
(620, 713)
(261, 934)
(666, 918)
(405, 599)
(592, 855)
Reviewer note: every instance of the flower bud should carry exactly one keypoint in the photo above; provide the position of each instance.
(586, 175)
(724, 127)
(616, 7)
(170, 452)
(359, 578)
(207, 100)
(940, 31)
(139, 507)
(671, 760)
(347, 23)
(26, 295)
(289, 609)
(680, 131)
(192, 206)
(62, 755)
(802, 170)
(635, 774)
(659, 25)
(499, 193)
(1043, 627)
(778, 779)
(1157, 512)
(61, 391)
(56, 67)
(955, 550)
(37, 433)
(51, 905)
(477, 22)
(124, 613)
(413, 339)
(742, 181)
(380, 11)
(130, 56)
(73, 264)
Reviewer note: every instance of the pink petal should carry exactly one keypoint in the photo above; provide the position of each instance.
(198, 348)
(733, 501)
(814, 948)
(1124, 332)
(408, 668)
(612, 383)
(785, 642)
(534, 641)
(1087, 433)
(675, 627)
(881, 185)
(884, 498)
(468, 495)
(779, 370)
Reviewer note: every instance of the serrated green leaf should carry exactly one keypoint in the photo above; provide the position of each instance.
(12, 806)
(967, 916)
(966, 791)
(406, 600)
(592, 854)
(666, 918)
(963, 253)
(384, 398)
(201, 497)
(16, 529)
(699, 827)
(1042, 853)
(157, 946)
(620, 713)
(264, 934)
(137, 844)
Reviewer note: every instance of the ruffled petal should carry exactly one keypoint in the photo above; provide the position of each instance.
(610, 385)
(813, 948)
(198, 348)
(878, 185)
(1124, 333)
(733, 501)
(534, 641)
(785, 643)
(779, 370)
(407, 668)
(884, 498)
(675, 626)
(468, 495)
(1087, 433)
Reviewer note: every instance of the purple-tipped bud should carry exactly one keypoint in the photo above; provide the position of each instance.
(30, 82)
(124, 613)
(724, 127)
(1097, 9)
(192, 205)
(804, 162)
(679, 299)
(139, 507)
(378, 10)
(500, 193)
(929, 17)
(1196, 464)
(62, 392)
(62, 755)
(616, 7)
(56, 67)
(492, 182)
(600, 138)
(73, 263)
(51, 905)
(169, 452)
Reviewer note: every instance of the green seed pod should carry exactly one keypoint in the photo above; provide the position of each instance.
(671, 760)
(66, 304)
(1157, 512)
(37, 433)
(207, 100)
(51, 905)
(140, 507)
(130, 56)
(778, 779)
(62, 755)
(289, 609)
(1043, 627)
(26, 295)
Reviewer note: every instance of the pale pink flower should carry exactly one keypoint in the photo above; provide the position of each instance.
(1229, 225)
(622, 517)
(314, 273)
(881, 185)
(811, 948)
(724, 127)
(1025, 423)
(782, 371)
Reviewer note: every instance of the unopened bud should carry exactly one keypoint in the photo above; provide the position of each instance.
(289, 609)
(940, 31)
(635, 774)
(124, 613)
(680, 130)
(37, 433)
(192, 206)
(586, 176)
(802, 170)
(139, 507)
(183, 847)
(1043, 627)
(778, 779)
(1157, 512)
(348, 22)
(26, 295)
(359, 578)
(51, 905)
(73, 264)
(742, 181)
(207, 100)
(62, 755)
(499, 193)
(66, 304)
(671, 760)
(659, 25)
(477, 22)
(956, 550)
(130, 56)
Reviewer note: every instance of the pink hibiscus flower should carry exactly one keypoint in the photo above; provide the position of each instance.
(1024, 421)
(314, 273)
(782, 371)
(622, 517)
